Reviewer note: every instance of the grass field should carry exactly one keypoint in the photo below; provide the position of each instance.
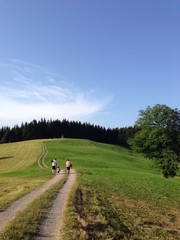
(117, 194)
(19, 170)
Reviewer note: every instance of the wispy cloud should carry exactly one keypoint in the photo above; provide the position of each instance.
(30, 92)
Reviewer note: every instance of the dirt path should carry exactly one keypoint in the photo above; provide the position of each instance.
(19, 205)
(50, 228)
(41, 159)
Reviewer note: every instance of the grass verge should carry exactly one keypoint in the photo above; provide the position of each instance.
(92, 214)
(26, 224)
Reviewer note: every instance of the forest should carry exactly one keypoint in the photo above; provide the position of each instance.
(45, 129)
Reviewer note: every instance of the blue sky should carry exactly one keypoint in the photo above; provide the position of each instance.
(95, 61)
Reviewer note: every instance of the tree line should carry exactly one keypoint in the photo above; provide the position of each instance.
(44, 129)
(156, 134)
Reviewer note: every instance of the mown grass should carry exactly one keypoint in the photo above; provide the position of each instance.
(118, 195)
(19, 170)
(26, 224)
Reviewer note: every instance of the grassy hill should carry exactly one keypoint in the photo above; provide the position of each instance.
(115, 169)
(19, 170)
(117, 195)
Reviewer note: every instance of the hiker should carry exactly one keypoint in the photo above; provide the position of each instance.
(68, 166)
(58, 170)
(54, 164)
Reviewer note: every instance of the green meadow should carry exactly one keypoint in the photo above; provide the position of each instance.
(117, 195)
(116, 169)
(19, 170)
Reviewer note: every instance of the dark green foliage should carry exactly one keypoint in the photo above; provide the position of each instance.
(69, 129)
(124, 134)
(159, 137)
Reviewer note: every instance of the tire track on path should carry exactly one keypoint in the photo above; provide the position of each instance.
(19, 205)
(50, 228)
(41, 162)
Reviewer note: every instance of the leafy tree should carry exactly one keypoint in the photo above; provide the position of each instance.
(158, 137)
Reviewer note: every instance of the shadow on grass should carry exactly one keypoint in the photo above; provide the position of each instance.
(5, 158)
(85, 172)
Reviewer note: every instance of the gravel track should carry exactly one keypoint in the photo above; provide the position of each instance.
(19, 205)
(50, 228)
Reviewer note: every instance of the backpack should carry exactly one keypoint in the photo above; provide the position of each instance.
(69, 164)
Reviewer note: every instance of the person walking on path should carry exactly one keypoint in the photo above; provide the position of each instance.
(68, 166)
(54, 165)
